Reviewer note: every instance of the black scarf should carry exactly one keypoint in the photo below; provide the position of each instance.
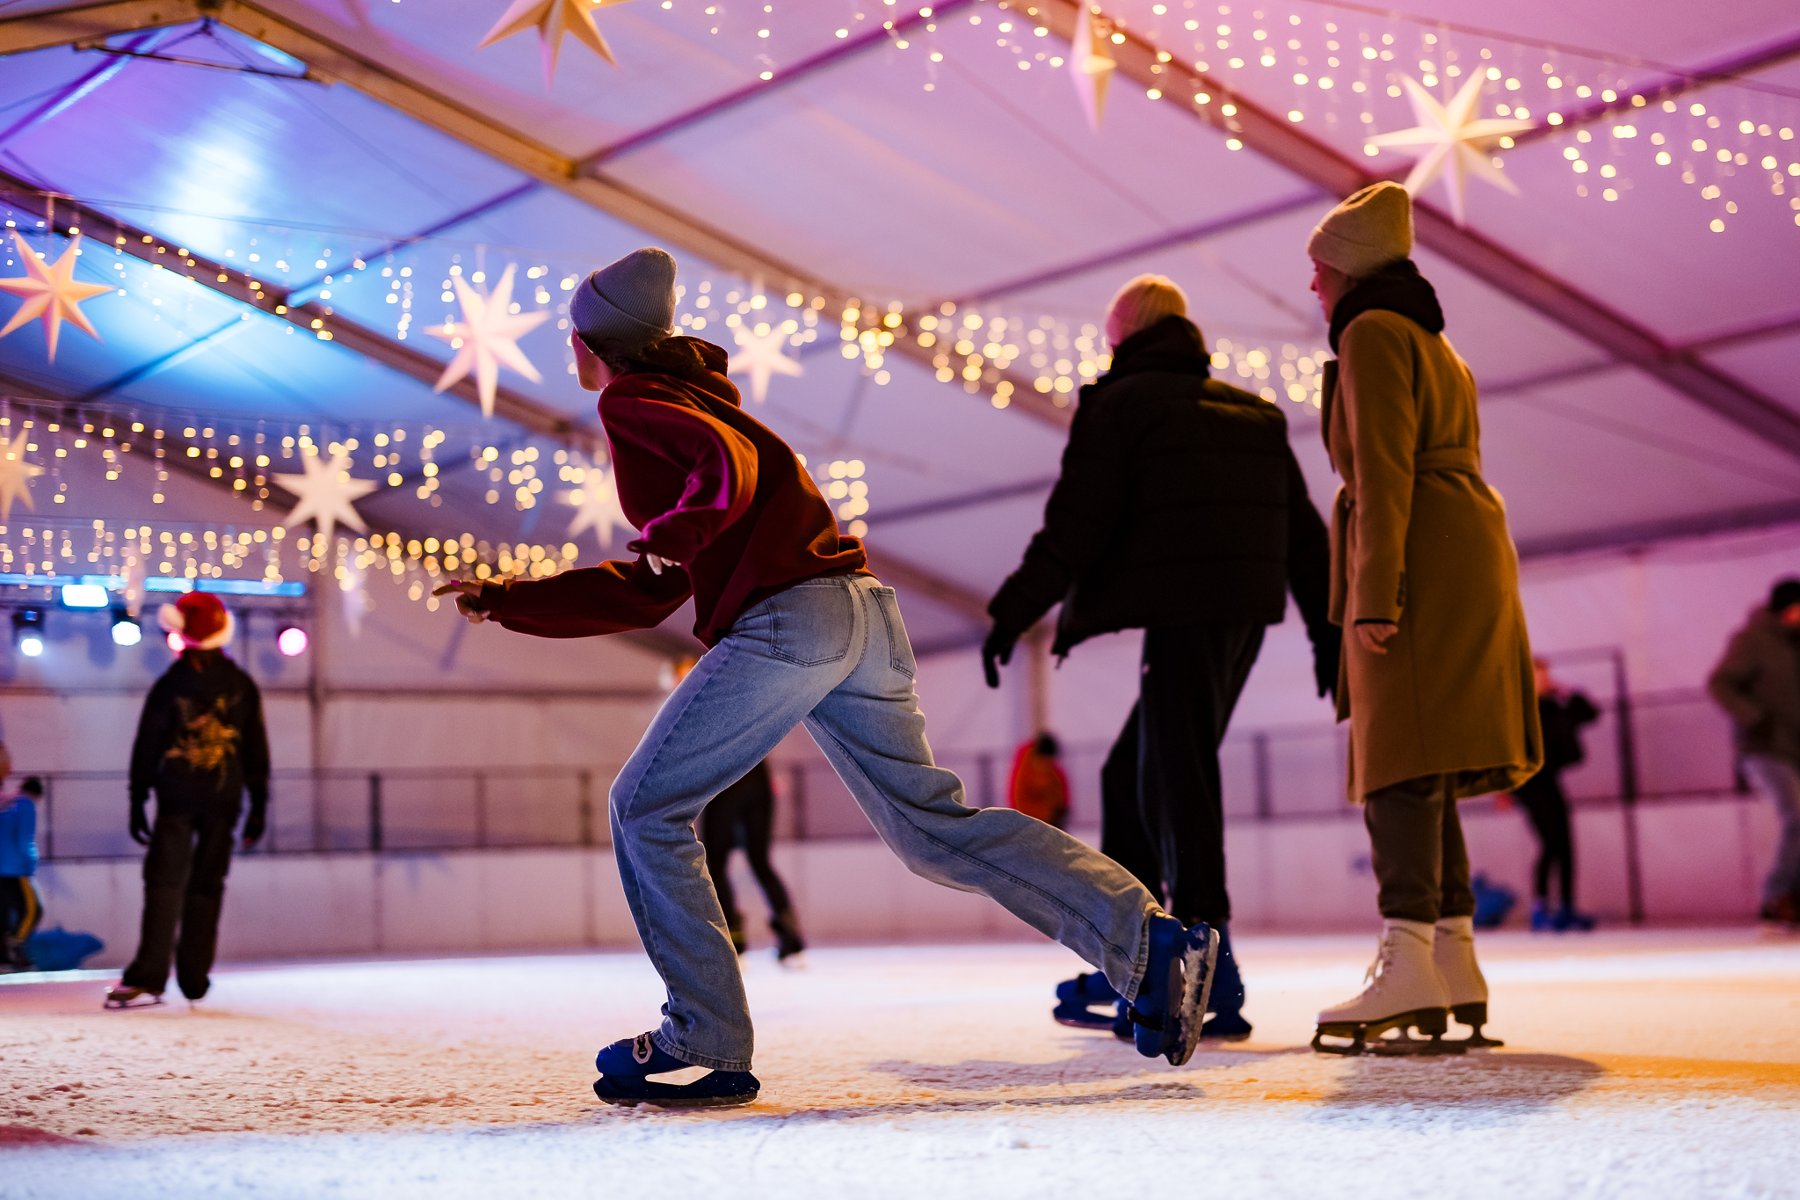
(1398, 288)
(1173, 344)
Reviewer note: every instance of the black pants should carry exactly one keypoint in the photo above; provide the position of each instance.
(742, 816)
(1162, 814)
(1416, 841)
(184, 884)
(1548, 808)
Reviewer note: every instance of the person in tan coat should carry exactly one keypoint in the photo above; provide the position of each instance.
(1436, 677)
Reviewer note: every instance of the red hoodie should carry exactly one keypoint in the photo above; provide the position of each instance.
(710, 488)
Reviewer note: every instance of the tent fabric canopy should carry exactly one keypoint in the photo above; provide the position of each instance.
(1633, 324)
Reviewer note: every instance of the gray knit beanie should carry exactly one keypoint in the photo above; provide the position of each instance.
(629, 303)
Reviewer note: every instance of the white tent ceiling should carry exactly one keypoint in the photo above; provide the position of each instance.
(1636, 362)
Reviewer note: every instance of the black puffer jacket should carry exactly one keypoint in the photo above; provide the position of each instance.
(1180, 502)
(200, 741)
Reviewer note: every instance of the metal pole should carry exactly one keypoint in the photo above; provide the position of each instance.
(584, 805)
(48, 824)
(480, 810)
(1628, 791)
(1265, 784)
(375, 812)
(797, 799)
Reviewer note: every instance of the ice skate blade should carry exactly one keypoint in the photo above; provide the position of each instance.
(1364, 1037)
(721, 1089)
(1474, 1015)
(1083, 1019)
(120, 1004)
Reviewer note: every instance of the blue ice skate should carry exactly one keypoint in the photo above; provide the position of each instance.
(1086, 1002)
(1171, 1002)
(626, 1067)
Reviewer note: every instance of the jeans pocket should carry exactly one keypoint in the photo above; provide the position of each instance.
(811, 623)
(900, 652)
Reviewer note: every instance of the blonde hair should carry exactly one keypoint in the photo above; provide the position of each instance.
(1142, 303)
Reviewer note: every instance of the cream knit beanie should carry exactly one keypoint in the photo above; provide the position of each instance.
(1142, 303)
(1366, 232)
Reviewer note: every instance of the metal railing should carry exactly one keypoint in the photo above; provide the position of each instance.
(1647, 749)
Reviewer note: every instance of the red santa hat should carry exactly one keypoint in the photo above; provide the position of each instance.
(200, 619)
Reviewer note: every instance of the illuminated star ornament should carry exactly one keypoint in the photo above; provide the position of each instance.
(1091, 62)
(760, 357)
(1454, 142)
(554, 20)
(487, 338)
(325, 494)
(597, 506)
(50, 293)
(15, 478)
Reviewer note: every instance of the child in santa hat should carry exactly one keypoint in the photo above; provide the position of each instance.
(200, 746)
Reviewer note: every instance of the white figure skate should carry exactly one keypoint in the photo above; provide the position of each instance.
(1453, 951)
(121, 995)
(1404, 993)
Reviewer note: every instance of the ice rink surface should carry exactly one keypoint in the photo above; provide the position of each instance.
(1655, 1064)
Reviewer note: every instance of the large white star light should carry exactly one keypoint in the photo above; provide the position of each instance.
(325, 494)
(1454, 142)
(760, 357)
(1091, 61)
(554, 19)
(50, 293)
(597, 506)
(487, 338)
(15, 478)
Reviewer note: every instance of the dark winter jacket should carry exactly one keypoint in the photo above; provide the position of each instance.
(200, 740)
(712, 489)
(1758, 683)
(1561, 716)
(1179, 503)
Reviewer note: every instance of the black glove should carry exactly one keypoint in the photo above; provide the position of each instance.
(140, 822)
(255, 823)
(1328, 651)
(996, 651)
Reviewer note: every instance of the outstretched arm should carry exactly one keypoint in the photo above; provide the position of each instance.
(610, 598)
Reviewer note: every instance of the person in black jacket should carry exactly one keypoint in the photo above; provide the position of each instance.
(1180, 511)
(744, 815)
(200, 744)
(1562, 713)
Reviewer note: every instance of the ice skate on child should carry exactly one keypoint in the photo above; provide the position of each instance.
(798, 632)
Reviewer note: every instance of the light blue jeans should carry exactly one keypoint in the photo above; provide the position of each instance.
(1779, 780)
(832, 653)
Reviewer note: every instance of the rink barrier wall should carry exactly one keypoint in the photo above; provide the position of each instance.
(1701, 858)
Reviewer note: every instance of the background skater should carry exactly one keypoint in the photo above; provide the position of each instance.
(200, 746)
(1180, 511)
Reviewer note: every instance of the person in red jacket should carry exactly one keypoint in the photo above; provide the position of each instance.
(798, 631)
(1038, 787)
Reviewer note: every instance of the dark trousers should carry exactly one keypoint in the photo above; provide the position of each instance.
(1548, 808)
(1416, 841)
(19, 908)
(742, 818)
(184, 884)
(1162, 814)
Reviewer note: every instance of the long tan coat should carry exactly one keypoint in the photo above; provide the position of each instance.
(1419, 539)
